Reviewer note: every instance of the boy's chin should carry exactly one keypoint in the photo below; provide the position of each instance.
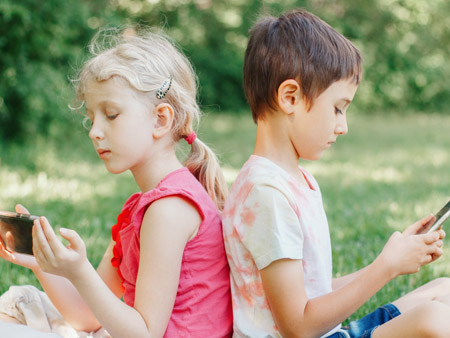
(312, 157)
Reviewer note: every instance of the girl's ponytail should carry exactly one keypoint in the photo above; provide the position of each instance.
(204, 165)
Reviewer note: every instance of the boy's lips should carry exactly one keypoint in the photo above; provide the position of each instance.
(330, 143)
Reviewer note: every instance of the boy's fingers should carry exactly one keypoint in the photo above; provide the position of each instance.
(418, 227)
(432, 249)
(431, 237)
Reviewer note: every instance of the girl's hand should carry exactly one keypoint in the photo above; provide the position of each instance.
(51, 254)
(26, 261)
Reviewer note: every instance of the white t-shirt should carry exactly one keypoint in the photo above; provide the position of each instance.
(269, 215)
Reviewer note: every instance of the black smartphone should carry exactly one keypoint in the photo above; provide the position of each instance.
(441, 217)
(16, 231)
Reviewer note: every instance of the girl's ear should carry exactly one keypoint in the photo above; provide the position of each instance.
(289, 96)
(164, 115)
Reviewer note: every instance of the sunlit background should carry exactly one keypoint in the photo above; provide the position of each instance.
(391, 169)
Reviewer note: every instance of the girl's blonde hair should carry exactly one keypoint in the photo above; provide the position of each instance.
(146, 59)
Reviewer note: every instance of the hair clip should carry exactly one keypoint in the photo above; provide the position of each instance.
(162, 91)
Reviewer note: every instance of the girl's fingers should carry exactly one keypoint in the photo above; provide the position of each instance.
(75, 241)
(21, 209)
(4, 253)
(41, 248)
(53, 241)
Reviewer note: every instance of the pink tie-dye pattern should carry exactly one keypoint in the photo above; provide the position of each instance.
(248, 217)
(241, 215)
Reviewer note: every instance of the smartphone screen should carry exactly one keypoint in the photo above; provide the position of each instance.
(16, 231)
(441, 217)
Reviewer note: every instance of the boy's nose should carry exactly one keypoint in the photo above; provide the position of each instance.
(341, 126)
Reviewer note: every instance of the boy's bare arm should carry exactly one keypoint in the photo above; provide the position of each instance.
(298, 316)
(339, 282)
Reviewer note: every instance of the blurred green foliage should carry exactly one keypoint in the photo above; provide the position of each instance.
(405, 44)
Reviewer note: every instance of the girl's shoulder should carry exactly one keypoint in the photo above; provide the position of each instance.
(179, 183)
(131, 201)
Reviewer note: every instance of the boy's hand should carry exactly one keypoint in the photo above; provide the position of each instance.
(405, 253)
(421, 227)
(51, 254)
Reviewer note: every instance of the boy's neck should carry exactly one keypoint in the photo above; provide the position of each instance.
(275, 145)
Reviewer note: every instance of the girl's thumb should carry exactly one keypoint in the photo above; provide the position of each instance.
(72, 236)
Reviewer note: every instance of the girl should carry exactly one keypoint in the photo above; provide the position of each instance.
(166, 257)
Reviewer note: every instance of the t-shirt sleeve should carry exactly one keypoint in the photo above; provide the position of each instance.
(271, 228)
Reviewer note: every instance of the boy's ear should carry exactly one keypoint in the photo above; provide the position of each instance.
(164, 115)
(289, 95)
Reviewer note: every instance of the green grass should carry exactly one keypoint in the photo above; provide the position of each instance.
(385, 174)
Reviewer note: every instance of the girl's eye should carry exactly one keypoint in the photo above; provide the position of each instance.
(111, 116)
(337, 110)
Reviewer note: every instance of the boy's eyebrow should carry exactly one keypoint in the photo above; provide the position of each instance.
(346, 100)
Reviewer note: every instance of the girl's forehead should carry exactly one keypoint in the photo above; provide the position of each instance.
(113, 83)
(114, 90)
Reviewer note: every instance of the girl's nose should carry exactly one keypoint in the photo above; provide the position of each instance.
(341, 126)
(95, 133)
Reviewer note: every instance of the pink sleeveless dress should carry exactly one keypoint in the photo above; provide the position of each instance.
(203, 301)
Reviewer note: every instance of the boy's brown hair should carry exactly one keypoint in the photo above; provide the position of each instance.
(297, 45)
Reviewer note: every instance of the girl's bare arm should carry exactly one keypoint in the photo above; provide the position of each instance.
(164, 234)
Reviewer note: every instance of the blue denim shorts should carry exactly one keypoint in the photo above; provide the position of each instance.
(364, 327)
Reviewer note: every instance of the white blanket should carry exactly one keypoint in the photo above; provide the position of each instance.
(39, 317)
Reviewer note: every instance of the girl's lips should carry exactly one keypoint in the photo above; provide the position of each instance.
(103, 153)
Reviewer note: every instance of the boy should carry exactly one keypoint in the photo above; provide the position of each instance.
(300, 76)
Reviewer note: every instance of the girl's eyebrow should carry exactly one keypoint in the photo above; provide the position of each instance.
(110, 103)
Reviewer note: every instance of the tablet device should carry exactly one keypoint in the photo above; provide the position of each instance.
(441, 217)
(16, 231)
